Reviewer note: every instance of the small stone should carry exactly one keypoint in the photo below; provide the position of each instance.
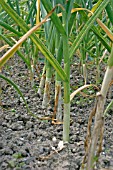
(47, 149)
(6, 151)
(60, 145)
(9, 130)
(4, 124)
(54, 139)
(73, 150)
(41, 150)
(65, 164)
(24, 153)
(29, 124)
(8, 117)
(4, 165)
(20, 143)
(17, 126)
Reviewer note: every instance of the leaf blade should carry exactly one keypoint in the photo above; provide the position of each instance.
(87, 26)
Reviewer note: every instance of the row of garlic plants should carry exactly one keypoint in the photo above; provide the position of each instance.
(68, 26)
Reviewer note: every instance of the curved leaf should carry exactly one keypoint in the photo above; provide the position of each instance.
(35, 39)
(108, 107)
(55, 19)
(101, 38)
(21, 95)
(86, 27)
(16, 88)
(82, 88)
(106, 29)
(18, 52)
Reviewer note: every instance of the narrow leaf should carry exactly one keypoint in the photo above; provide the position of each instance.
(82, 88)
(18, 52)
(110, 105)
(109, 9)
(3, 47)
(10, 28)
(48, 6)
(36, 40)
(86, 27)
(21, 95)
(30, 12)
(105, 28)
(16, 88)
(95, 7)
(101, 38)
(11, 51)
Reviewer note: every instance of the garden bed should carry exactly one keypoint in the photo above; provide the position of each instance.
(27, 143)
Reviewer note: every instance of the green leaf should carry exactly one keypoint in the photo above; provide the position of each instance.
(101, 38)
(110, 60)
(30, 12)
(86, 27)
(110, 105)
(8, 27)
(94, 28)
(109, 9)
(17, 155)
(20, 93)
(55, 19)
(11, 163)
(36, 40)
(68, 8)
(16, 88)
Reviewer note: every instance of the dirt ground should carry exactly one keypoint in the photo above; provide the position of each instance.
(30, 144)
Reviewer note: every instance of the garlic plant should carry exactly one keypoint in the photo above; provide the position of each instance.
(57, 29)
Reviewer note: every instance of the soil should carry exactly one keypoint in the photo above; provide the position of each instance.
(27, 143)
